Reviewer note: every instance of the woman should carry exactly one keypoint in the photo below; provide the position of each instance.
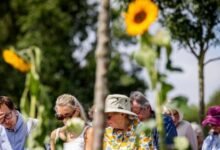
(183, 127)
(67, 107)
(199, 134)
(121, 125)
(212, 141)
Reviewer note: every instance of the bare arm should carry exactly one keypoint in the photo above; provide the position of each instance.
(89, 139)
(52, 139)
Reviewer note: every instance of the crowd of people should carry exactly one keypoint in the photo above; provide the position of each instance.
(123, 116)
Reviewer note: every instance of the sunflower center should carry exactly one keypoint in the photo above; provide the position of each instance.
(140, 16)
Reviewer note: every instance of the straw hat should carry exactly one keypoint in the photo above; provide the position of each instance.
(118, 103)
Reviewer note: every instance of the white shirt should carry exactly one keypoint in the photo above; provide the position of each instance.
(184, 128)
(77, 143)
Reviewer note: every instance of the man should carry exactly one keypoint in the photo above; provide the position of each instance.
(142, 107)
(13, 129)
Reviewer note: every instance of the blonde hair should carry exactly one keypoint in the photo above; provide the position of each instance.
(70, 101)
(170, 109)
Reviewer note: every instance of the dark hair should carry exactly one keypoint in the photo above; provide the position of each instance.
(7, 101)
(139, 98)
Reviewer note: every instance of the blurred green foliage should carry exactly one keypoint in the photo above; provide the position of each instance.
(214, 99)
(190, 112)
(60, 28)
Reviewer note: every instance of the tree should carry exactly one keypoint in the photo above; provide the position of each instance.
(102, 57)
(193, 24)
(60, 28)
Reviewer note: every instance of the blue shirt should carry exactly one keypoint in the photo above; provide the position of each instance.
(212, 142)
(170, 131)
(17, 136)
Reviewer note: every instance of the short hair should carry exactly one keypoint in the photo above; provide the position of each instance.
(7, 101)
(70, 101)
(139, 98)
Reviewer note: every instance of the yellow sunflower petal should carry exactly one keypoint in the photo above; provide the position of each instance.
(16, 61)
(140, 15)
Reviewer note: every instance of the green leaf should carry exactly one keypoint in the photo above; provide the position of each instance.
(172, 68)
(146, 127)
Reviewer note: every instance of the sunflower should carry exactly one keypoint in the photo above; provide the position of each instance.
(140, 15)
(16, 61)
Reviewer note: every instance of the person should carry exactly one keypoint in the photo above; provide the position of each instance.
(143, 109)
(212, 119)
(67, 107)
(199, 134)
(183, 127)
(121, 123)
(14, 129)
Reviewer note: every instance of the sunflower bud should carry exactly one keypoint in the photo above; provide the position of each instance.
(75, 125)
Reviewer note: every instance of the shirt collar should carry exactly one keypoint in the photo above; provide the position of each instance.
(19, 123)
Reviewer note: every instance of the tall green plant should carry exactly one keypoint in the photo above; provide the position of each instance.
(151, 46)
(32, 103)
(138, 18)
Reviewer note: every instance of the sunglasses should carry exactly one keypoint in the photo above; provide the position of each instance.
(66, 116)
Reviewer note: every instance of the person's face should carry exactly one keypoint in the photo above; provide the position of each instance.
(143, 112)
(175, 116)
(66, 112)
(116, 120)
(8, 117)
(215, 128)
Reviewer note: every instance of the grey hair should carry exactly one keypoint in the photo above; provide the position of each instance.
(139, 98)
(70, 101)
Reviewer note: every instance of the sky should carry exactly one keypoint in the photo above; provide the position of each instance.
(186, 83)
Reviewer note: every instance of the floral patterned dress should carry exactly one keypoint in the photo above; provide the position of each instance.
(127, 140)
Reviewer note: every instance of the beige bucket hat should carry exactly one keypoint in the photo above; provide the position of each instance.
(118, 103)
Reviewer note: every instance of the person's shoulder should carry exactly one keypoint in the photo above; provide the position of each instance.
(167, 120)
(89, 131)
(185, 123)
(53, 133)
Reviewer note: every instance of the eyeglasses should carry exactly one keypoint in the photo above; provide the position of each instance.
(66, 116)
(138, 110)
(7, 116)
